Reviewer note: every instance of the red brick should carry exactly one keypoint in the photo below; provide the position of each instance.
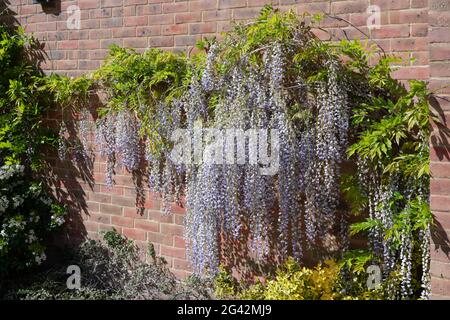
(227, 4)
(93, 206)
(134, 234)
(175, 208)
(117, 12)
(161, 19)
(223, 26)
(440, 186)
(186, 17)
(111, 23)
(173, 252)
(111, 3)
(135, 43)
(68, 44)
(416, 44)
(104, 228)
(419, 30)
(174, 29)
(179, 242)
(103, 188)
(202, 5)
(160, 217)
(440, 203)
(28, 9)
(111, 209)
(391, 31)
(216, 15)
(124, 32)
(179, 219)
(440, 52)
(46, 26)
(260, 3)
(205, 27)
(134, 213)
(439, 86)
(391, 4)
(90, 24)
(67, 65)
(419, 3)
(246, 13)
(148, 31)
(123, 201)
(91, 226)
(439, 252)
(418, 73)
(348, 6)
(135, 21)
(439, 35)
(440, 170)
(161, 42)
(160, 238)
(440, 69)
(147, 225)
(121, 221)
(100, 34)
(443, 218)
(88, 4)
(100, 218)
(175, 7)
(181, 264)
(440, 286)
(132, 2)
(129, 11)
(148, 9)
(172, 229)
(99, 197)
(411, 16)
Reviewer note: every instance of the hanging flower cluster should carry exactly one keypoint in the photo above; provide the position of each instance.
(393, 177)
(293, 113)
(256, 92)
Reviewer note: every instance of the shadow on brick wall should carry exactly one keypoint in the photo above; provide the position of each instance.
(66, 182)
(440, 149)
(69, 178)
(7, 16)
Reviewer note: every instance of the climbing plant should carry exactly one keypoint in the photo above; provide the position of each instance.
(28, 212)
(346, 139)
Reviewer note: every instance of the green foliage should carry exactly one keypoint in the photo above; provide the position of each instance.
(142, 83)
(224, 284)
(28, 213)
(23, 134)
(110, 270)
(390, 127)
(67, 92)
(327, 281)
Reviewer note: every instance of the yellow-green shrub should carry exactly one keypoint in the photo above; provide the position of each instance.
(294, 282)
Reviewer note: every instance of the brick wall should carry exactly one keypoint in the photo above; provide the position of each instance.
(177, 25)
(439, 38)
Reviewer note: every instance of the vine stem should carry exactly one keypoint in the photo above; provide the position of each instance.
(359, 29)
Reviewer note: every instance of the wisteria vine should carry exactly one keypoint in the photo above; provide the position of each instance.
(286, 82)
